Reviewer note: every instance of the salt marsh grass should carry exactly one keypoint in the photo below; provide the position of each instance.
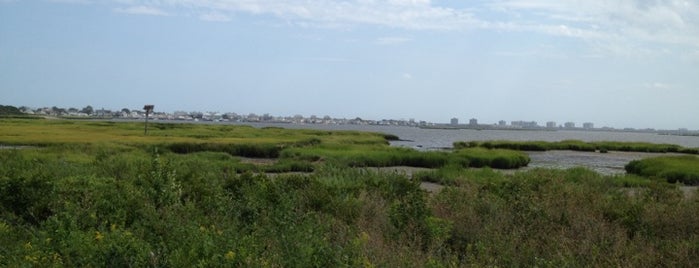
(96, 194)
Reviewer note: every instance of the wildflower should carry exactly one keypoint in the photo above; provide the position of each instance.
(98, 236)
(230, 255)
(57, 258)
(364, 236)
(4, 228)
(32, 259)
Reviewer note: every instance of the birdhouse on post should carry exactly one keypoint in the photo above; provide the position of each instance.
(149, 109)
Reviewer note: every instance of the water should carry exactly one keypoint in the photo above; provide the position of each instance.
(444, 138)
(435, 139)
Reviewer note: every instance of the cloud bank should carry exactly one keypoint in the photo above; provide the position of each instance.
(636, 26)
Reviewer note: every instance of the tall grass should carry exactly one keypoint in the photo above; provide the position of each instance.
(136, 208)
(495, 158)
(368, 156)
(576, 145)
(362, 156)
(682, 169)
(112, 197)
(58, 132)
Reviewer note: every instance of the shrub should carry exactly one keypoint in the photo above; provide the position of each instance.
(28, 198)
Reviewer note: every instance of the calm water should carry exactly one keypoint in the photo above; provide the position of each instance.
(444, 138)
(610, 163)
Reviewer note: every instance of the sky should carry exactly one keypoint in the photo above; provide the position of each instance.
(621, 63)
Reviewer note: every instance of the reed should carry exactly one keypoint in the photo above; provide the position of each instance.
(681, 169)
(137, 204)
(576, 145)
(494, 158)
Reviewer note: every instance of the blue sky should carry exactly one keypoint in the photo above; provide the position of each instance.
(622, 63)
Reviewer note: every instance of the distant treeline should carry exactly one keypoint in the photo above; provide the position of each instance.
(9, 110)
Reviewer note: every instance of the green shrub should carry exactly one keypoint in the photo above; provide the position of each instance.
(27, 198)
(108, 203)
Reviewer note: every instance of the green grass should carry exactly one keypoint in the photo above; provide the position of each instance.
(576, 145)
(682, 169)
(365, 156)
(36, 132)
(112, 197)
(495, 158)
(299, 149)
(368, 156)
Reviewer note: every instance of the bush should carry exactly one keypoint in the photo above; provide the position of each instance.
(27, 198)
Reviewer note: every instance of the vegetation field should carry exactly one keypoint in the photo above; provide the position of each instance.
(683, 169)
(576, 145)
(96, 194)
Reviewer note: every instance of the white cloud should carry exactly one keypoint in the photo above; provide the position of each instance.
(214, 16)
(142, 10)
(407, 76)
(664, 22)
(71, 1)
(620, 25)
(327, 59)
(392, 40)
(406, 14)
(694, 56)
(657, 86)
(409, 2)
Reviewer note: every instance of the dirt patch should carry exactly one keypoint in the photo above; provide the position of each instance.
(14, 147)
(431, 187)
(611, 163)
(402, 170)
(258, 161)
(689, 191)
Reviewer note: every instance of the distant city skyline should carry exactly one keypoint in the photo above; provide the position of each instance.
(315, 118)
(627, 63)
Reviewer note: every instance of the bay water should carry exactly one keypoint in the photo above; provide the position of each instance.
(439, 139)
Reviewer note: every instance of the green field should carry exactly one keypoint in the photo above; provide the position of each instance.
(576, 145)
(682, 169)
(96, 194)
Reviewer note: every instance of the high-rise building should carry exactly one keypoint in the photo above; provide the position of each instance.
(454, 121)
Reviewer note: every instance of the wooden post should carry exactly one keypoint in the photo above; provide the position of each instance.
(148, 108)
